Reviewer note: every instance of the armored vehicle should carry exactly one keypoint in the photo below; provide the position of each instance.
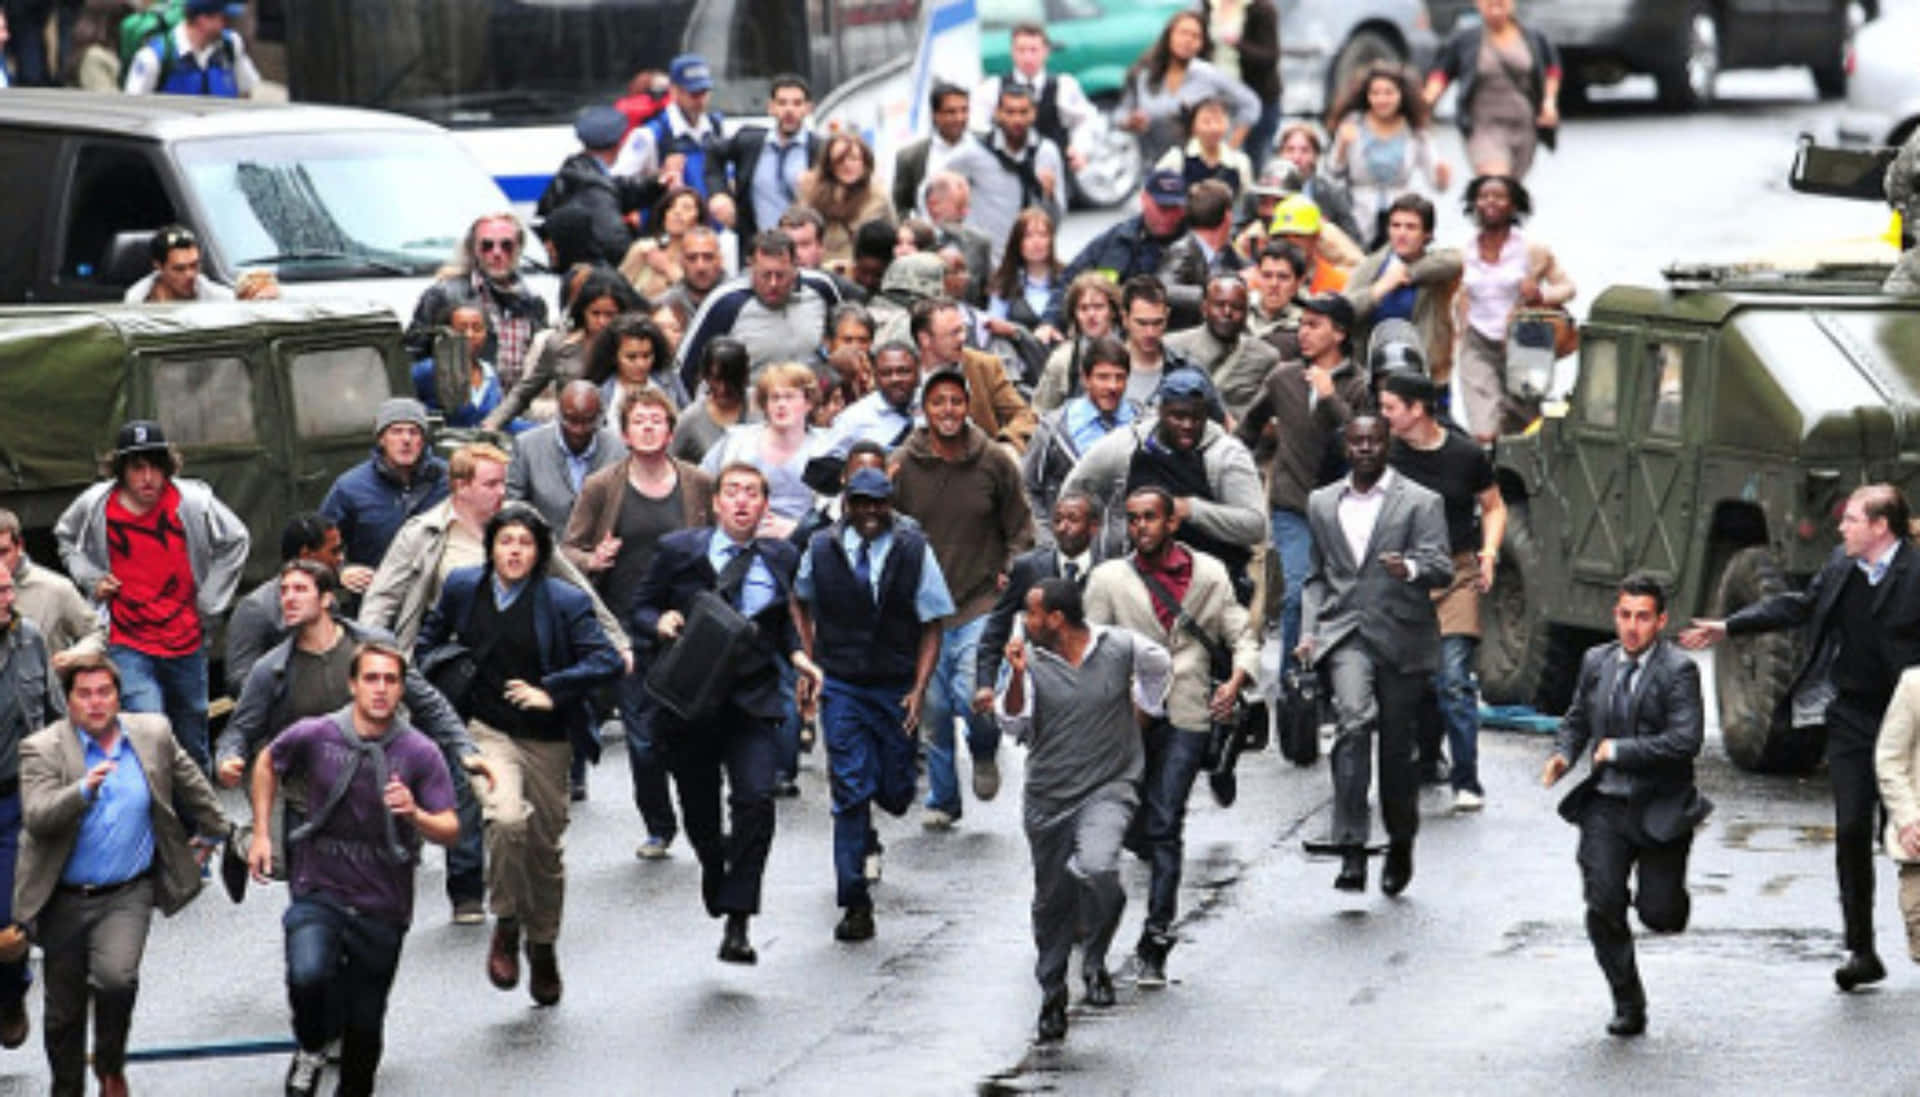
(268, 402)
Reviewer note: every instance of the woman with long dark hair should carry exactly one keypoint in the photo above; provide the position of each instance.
(653, 263)
(1381, 140)
(1509, 77)
(1172, 76)
(559, 357)
(1028, 279)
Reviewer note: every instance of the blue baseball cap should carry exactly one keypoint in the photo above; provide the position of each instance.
(869, 483)
(690, 71)
(215, 7)
(1185, 383)
(600, 127)
(1167, 188)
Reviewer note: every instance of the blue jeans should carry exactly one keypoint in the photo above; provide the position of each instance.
(1259, 143)
(871, 758)
(340, 968)
(1158, 831)
(950, 694)
(1293, 542)
(644, 758)
(176, 687)
(1460, 709)
(14, 978)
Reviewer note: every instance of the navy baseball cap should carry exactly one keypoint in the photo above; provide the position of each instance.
(215, 7)
(139, 436)
(1167, 188)
(690, 71)
(1185, 383)
(869, 483)
(600, 127)
(946, 375)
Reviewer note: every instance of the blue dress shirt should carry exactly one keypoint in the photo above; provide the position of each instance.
(930, 602)
(116, 834)
(759, 590)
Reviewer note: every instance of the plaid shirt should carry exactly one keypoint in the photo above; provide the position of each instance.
(512, 332)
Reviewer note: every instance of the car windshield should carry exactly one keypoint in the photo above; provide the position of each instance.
(323, 206)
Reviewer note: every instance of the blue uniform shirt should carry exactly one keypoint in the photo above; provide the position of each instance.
(930, 602)
(116, 834)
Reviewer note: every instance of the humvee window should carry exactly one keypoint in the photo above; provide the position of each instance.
(1600, 383)
(205, 401)
(337, 391)
(115, 190)
(1670, 359)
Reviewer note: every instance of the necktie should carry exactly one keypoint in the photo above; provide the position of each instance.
(780, 170)
(1072, 571)
(1623, 699)
(863, 567)
(739, 593)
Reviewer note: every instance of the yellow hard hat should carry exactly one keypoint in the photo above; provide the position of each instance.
(1296, 215)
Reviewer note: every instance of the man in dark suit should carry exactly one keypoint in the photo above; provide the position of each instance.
(760, 168)
(920, 159)
(1379, 549)
(1862, 613)
(754, 575)
(551, 461)
(1638, 708)
(1076, 516)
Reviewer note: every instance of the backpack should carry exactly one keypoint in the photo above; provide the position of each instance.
(141, 27)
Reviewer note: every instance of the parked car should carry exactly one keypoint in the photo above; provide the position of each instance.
(1883, 79)
(1323, 43)
(335, 202)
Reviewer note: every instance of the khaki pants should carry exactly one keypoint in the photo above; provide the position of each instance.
(526, 816)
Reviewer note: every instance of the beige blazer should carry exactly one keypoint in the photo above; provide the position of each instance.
(52, 806)
(1896, 762)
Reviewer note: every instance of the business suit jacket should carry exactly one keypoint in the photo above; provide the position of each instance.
(538, 472)
(52, 806)
(731, 167)
(680, 570)
(1896, 609)
(909, 171)
(1656, 749)
(1344, 597)
(597, 511)
(1029, 569)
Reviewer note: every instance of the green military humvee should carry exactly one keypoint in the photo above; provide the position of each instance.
(1717, 427)
(267, 401)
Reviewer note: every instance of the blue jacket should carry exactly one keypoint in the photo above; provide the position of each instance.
(575, 655)
(370, 505)
(680, 569)
(1120, 252)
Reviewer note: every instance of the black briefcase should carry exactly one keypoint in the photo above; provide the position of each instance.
(693, 677)
(1299, 716)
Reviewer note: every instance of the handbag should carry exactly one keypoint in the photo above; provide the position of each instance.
(693, 678)
(1300, 716)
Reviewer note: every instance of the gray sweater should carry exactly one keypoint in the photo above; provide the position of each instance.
(1236, 513)
(217, 543)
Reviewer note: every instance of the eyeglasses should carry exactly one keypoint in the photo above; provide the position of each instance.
(506, 245)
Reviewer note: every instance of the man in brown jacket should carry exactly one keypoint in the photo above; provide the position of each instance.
(967, 495)
(994, 405)
(1307, 402)
(623, 511)
(102, 847)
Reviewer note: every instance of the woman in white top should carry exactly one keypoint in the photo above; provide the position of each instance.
(1381, 141)
(780, 447)
(1503, 273)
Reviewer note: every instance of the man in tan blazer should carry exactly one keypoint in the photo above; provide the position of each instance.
(101, 848)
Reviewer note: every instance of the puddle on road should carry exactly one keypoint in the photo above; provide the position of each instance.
(1771, 943)
(1761, 837)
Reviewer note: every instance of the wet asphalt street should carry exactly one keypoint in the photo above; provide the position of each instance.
(1478, 980)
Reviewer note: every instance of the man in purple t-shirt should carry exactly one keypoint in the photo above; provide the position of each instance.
(375, 788)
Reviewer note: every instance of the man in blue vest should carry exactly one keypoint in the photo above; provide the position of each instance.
(199, 56)
(679, 139)
(869, 599)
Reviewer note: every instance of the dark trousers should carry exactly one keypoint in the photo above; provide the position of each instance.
(871, 758)
(644, 759)
(466, 857)
(1158, 832)
(1611, 845)
(14, 978)
(1851, 731)
(731, 861)
(93, 945)
(340, 968)
(1371, 695)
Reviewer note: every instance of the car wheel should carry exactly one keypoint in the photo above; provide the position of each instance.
(1688, 83)
(1830, 79)
(1114, 167)
(1513, 627)
(1361, 50)
(1753, 672)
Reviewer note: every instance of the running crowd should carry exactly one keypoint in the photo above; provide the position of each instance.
(906, 478)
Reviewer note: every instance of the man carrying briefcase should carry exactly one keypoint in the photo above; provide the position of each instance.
(753, 576)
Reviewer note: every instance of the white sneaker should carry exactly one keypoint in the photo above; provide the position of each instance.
(870, 867)
(1467, 800)
(935, 819)
(653, 849)
(303, 1075)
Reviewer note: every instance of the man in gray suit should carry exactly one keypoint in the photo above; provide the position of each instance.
(1379, 550)
(551, 462)
(1637, 713)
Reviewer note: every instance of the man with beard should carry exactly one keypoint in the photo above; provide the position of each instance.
(1237, 362)
(1011, 169)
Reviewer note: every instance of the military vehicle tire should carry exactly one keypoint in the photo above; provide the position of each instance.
(1513, 628)
(1686, 82)
(1752, 673)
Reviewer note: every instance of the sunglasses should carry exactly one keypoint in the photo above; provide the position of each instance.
(505, 245)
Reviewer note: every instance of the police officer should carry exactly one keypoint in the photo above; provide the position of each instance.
(1136, 245)
(201, 55)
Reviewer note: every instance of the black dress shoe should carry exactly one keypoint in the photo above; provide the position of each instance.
(734, 947)
(855, 925)
(1629, 1019)
(1860, 969)
(1353, 871)
(1100, 988)
(1053, 1017)
(1398, 871)
(1150, 956)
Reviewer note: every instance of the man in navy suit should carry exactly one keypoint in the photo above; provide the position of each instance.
(759, 168)
(755, 575)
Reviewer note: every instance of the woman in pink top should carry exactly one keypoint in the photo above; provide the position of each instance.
(1503, 273)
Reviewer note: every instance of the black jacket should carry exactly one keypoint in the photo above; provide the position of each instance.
(730, 169)
(1459, 61)
(1896, 609)
(585, 190)
(1028, 570)
(680, 570)
(1120, 252)
(1183, 270)
(1657, 749)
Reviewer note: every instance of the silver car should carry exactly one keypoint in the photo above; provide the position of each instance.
(1883, 89)
(1324, 42)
